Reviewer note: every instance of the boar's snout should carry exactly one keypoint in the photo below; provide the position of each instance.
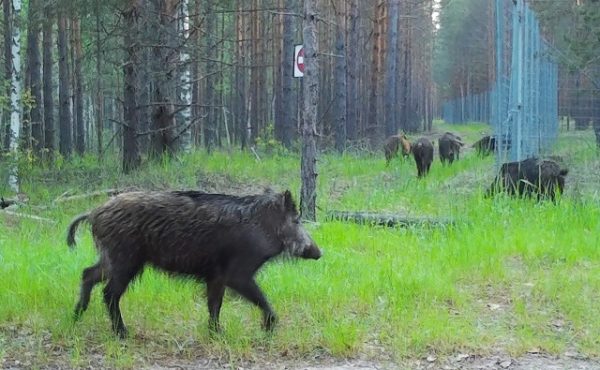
(312, 252)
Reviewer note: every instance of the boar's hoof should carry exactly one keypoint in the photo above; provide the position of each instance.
(269, 322)
(214, 328)
(121, 332)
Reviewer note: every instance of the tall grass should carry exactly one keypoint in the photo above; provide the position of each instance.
(509, 274)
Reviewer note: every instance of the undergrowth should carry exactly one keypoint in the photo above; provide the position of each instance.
(508, 274)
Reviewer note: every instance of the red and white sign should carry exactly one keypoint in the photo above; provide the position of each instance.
(298, 61)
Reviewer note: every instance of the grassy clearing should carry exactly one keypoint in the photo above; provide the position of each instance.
(511, 275)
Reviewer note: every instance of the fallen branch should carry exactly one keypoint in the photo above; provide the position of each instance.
(383, 219)
(109, 192)
(31, 217)
(255, 154)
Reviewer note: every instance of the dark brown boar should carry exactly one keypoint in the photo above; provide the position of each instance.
(542, 177)
(422, 150)
(485, 146)
(220, 239)
(392, 144)
(449, 147)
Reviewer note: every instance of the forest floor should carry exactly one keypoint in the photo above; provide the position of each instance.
(512, 285)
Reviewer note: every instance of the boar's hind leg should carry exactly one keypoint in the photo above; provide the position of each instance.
(114, 289)
(215, 289)
(91, 276)
(250, 290)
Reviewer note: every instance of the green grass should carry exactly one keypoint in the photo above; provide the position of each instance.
(510, 275)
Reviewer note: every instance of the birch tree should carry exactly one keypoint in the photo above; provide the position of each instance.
(15, 92)
(185, 137)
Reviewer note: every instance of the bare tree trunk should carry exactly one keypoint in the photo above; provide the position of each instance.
(7, 7)
(287, 102)
(308, 195)
(373, 119)
(352, 71)
(78, 84)
(49, 144)
(390, 70)
(35, 78)
(131, 154)
(241, 74)
(196, 21)
(15, 92)
(65, 118)
(210, 137)
(184, 130)
(99, 90)
(340, 79)
(163, 30)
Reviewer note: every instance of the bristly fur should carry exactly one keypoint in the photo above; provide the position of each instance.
(221, 239)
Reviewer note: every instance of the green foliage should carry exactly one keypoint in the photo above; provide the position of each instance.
(575, 30)
(266, 141)
(462, 46)
(500, 279)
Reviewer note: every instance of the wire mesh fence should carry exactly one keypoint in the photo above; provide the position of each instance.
(522, 101)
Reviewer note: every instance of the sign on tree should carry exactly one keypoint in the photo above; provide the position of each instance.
(298, 60)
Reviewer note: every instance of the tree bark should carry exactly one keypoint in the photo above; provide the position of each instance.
(287, 64)
(210, 137)
(162, 33)
(15, 93)
(49, 144)
(352, 71)
(185, 96)
(373, 119)
(99, 103)
(340, 79)
(78, 85)
(310, 80)
(390, 70)
(35, 78)
(131, 155)
(7, 9)
(65, 117)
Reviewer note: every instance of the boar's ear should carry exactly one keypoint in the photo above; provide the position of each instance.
(288, 201)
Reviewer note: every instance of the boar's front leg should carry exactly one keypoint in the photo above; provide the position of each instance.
(248, 289)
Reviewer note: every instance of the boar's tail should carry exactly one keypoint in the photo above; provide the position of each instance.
(73, 228)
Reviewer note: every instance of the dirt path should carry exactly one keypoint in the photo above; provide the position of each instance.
(463, 362)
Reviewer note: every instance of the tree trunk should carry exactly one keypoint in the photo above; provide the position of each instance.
(162, 32)
(99, 103)
(310, 80)
(352, 71)
(7, 7)
(210, 137)
(185, 96)
(65, 118)
(373, 119)
(287, 64)
(340, 79)
(35, 78)
(196, 20)
(131, 155)
(78, 85)
(390, 70)
(241, 74)
(49, 144)
(15, 93)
